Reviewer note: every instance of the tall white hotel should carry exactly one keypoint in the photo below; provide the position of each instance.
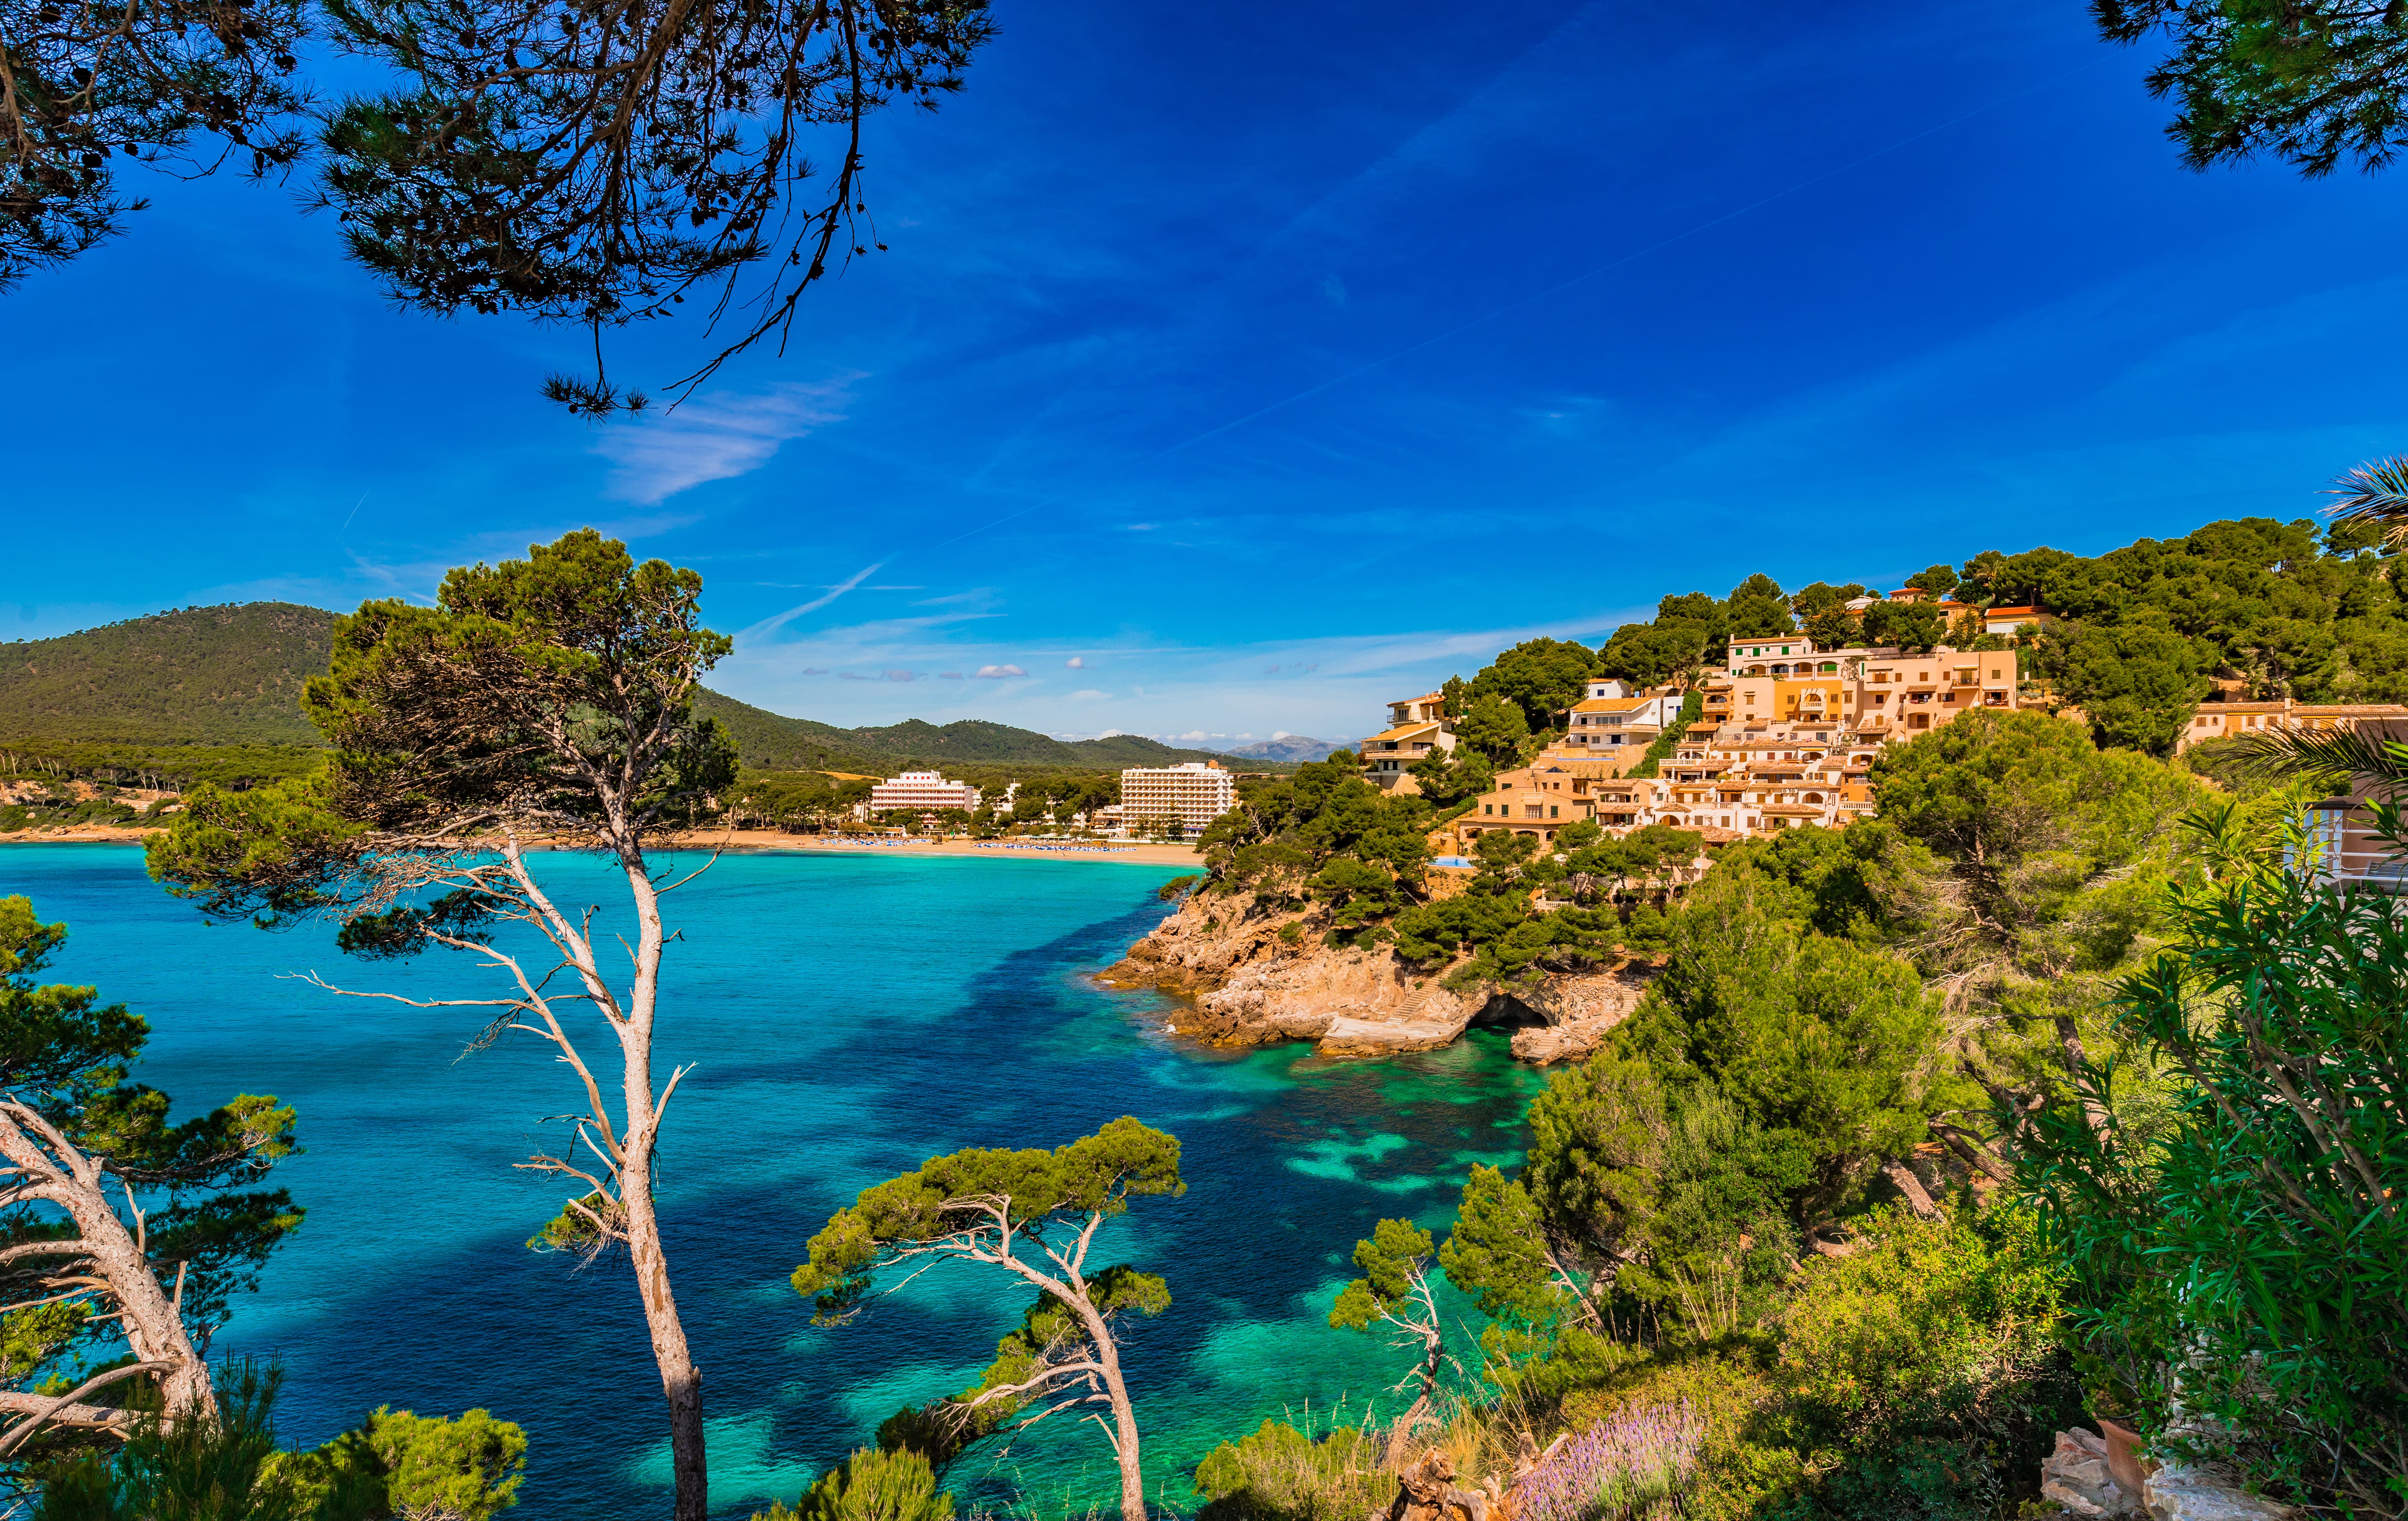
(1195, 792)
(922, 790)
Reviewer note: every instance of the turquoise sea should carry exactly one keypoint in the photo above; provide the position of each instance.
(848, 1017)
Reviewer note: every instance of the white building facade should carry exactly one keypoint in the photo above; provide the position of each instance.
(925, 790)
(1195, 792)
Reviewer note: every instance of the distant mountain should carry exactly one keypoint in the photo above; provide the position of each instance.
(1296, 747)
(200, 675)
(774, 742)
(232, 675)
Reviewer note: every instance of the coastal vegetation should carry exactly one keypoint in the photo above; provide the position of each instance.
(101, 1190)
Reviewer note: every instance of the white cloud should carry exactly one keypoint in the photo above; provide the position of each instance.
(1279, 734)
(1076, 662)
(997, 673)
(1089, 694)
(714, 436)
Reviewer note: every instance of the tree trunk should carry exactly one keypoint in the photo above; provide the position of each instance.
(148, 1314)
(680, 1380)
(1124, 1414)
(2069, 1040)
(1975, 1152)
(1908, 1184)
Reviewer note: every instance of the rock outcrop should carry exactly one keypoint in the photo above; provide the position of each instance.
(2078, 1477)
(1256, 976)
(2075, 1475)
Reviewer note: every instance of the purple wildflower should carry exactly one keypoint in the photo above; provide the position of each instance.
(1615, 1471)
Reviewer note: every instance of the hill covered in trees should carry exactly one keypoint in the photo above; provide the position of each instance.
(196, 675)
(773, 742)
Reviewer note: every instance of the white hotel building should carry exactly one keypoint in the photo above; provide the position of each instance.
(1195, 792)
(925, 791)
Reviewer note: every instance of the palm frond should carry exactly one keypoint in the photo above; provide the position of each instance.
(2335, 756)
(2375, 494)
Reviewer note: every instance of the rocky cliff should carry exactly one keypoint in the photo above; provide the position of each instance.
(1256, 974)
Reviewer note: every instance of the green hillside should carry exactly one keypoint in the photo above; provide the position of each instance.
(200, 675)
(138, 697)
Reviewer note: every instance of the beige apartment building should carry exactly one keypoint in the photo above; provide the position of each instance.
(1195, 792)
(2217, 721)
(1540, 799)
(1881, 693)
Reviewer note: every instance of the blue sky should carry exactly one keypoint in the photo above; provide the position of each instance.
(1228, 379)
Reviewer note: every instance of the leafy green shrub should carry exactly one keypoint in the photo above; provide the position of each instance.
(870, 1486)
(393, 1464)
(398, 1463)
(1279, 1474)
(1935, 1315)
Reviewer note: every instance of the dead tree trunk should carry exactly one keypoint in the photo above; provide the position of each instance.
(1918, 1198)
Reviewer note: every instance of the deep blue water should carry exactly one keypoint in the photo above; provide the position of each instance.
(850, 1016)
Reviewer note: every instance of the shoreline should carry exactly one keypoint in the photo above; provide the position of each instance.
(770, 840)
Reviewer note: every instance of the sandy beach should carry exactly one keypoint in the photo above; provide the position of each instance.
(79, 834)
(1134, 852)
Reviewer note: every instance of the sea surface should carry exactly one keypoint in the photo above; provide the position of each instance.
(847, 1017)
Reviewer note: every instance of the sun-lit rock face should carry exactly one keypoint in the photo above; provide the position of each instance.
(1257, 974)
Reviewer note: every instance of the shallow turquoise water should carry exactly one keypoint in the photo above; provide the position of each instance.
(850, 1016)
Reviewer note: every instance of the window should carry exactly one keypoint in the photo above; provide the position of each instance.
(1488, 808)
(1554, 812)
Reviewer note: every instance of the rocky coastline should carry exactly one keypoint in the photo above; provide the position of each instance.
(1253, 974)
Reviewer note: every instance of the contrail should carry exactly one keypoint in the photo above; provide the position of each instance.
(771, 625)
